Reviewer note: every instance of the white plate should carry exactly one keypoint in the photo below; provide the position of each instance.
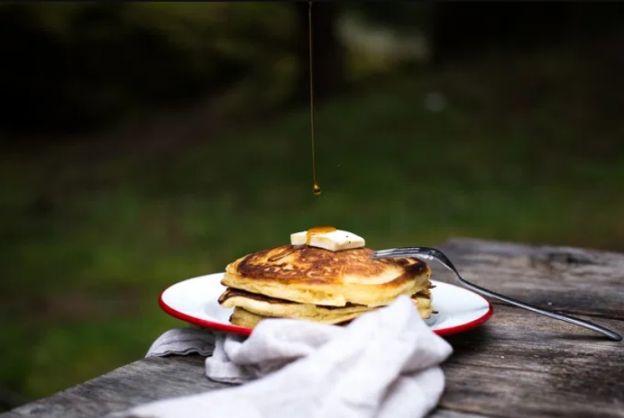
(195, 301)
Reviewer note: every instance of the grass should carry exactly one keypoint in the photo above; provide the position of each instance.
(92, 232)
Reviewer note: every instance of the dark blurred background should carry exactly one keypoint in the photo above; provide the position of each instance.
(146, 143)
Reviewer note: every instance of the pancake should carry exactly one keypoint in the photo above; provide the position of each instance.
(245, 318)
(268, 306)
(315, 276)
(249, 318)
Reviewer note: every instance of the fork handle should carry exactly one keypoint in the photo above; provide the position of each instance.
(551, 314)
(435, 254)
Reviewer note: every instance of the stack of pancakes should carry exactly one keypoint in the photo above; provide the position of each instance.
(316, 284)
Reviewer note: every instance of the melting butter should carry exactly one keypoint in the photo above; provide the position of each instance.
(327, 237)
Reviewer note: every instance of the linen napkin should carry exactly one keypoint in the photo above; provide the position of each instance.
(383, 364)
(184, 341)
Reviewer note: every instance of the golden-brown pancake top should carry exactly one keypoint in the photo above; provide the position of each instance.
(302, 263)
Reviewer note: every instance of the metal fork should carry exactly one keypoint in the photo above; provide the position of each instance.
(426, 253)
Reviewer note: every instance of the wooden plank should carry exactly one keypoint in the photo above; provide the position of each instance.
(447, 413)
(139, 382)
(520, 364)
(561, 278)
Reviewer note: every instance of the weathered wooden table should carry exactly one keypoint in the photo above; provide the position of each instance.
(518, 364)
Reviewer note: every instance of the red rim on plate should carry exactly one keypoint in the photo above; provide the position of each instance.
(247, 331)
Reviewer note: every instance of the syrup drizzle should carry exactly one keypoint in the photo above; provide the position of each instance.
(317, 230)
(316, 187)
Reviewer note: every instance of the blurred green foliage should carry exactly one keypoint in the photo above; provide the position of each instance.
(91, 235)
(84, 64)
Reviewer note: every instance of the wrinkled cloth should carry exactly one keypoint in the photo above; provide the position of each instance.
(183, 341)
(383, 364)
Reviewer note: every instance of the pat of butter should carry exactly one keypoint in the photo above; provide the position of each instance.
(334, 241)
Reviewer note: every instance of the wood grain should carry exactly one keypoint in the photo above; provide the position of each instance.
(569, 279)
(139, 382)
(447, 413)
(518, 364)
